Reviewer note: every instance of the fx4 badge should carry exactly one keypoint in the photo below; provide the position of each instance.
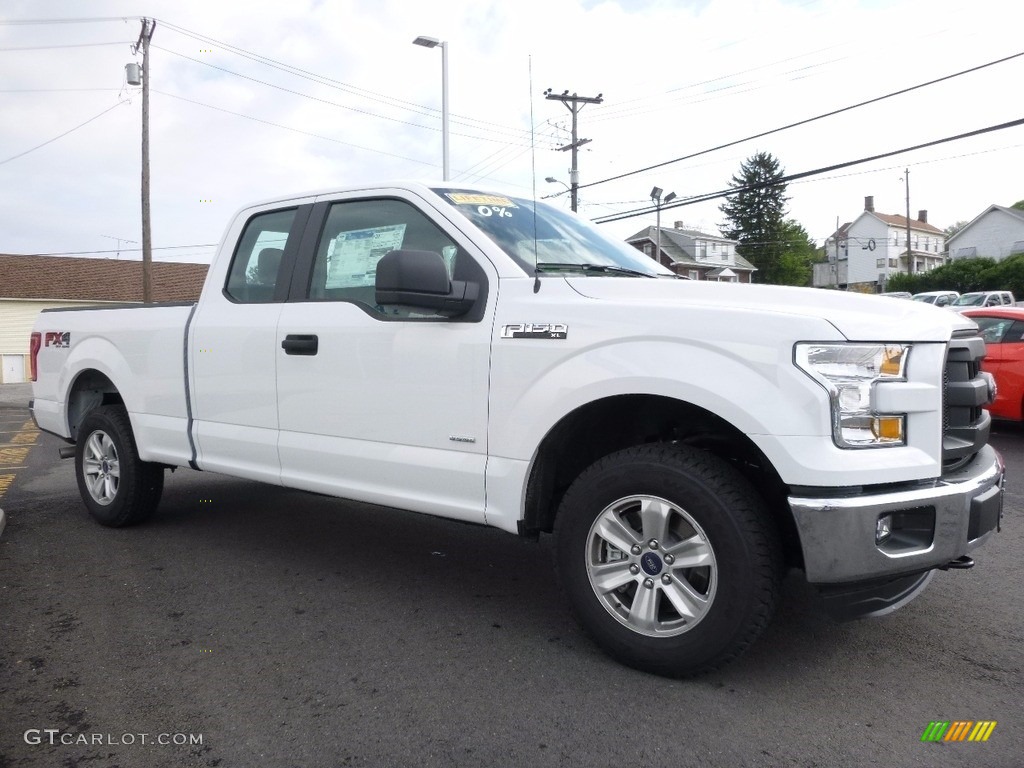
(535, 331)
(60, 339)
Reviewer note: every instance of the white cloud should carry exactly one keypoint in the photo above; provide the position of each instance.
(677, 78)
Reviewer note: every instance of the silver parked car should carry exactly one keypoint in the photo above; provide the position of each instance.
(938, 298)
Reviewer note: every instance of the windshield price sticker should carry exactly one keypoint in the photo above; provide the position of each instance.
(484, 201)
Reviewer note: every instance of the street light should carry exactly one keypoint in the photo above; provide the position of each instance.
(433, 42)
(553, 180)
(658, 202)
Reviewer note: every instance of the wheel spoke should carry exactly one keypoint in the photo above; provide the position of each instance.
(655, 515)
(115, 469)
(95, 484)
(610, 576)
(694, 552)
(685, 599)
(90, 466)
(643, 614)
(615, 532)
(94, 446)
(109, 488)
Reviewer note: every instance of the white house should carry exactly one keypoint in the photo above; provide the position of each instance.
(997, 232)
(863, 253)
(693, 254)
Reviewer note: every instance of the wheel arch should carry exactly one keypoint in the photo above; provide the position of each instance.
(89, 389)
(610, 424)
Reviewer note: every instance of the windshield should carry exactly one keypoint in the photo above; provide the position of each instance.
(925, 298)
(970, 300)
(538, 236)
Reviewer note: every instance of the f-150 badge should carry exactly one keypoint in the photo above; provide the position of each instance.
(535, 331)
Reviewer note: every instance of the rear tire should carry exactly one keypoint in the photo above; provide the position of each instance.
(669, 558)
(117, 487)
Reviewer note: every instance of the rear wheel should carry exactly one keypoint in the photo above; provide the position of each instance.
(117, 487)
(669, 558)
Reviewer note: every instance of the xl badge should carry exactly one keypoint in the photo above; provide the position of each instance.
(535, 331)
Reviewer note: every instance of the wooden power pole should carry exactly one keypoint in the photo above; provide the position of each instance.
(148, 25)
(574, 104)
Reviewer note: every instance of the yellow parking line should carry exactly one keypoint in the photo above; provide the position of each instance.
(5, 483)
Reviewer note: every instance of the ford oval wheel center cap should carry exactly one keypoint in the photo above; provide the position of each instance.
(651, 564)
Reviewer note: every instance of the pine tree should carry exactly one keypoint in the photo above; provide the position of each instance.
(756, 213)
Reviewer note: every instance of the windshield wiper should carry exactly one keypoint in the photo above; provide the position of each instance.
(553, 266)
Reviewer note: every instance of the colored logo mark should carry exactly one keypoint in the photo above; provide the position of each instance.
(959, 730)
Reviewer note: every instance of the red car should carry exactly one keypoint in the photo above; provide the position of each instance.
(1003, 331)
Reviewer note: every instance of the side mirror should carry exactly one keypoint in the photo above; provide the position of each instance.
(420, 279)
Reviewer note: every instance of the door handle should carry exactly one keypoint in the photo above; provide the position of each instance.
(300, 344)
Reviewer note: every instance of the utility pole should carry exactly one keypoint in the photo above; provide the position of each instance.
(148, 25)
(910, 256)
(574, 104)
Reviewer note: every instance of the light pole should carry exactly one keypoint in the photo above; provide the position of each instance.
(658, 202)
(433, 42)
(553, 180)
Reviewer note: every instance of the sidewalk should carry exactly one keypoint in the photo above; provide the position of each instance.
(15, 395)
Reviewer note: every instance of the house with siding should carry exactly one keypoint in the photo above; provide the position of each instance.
(864, 253)
(29, 284)
(997, 232)
(693, 254)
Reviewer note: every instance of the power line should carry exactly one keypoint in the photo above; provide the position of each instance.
(89, 20)
(71, 45)
(330, 82)
(61, 136)
(808, 120)
(123, 250)
(289, 128)
(504, 140)
(804, 174)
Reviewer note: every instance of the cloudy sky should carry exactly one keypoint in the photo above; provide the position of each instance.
(257, 99)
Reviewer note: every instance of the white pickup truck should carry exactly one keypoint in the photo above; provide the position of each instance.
(491, 359)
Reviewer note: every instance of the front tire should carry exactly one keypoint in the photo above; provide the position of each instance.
(669, 558)
(118, 488)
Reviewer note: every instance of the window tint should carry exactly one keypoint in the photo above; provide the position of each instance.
(993, 329)
(355, 237)
(1015, 335)
(255, 267)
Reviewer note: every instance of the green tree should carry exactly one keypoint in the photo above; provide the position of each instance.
(1019, 205)
(799, 252)
(952, 229)
(755, 214)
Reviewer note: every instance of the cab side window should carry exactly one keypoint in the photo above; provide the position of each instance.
(256, 265)
(357, 234)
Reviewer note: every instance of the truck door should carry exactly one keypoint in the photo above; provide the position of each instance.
(233, 347)
(384, 404)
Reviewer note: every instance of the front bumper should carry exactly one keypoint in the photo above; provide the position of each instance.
(943, 521)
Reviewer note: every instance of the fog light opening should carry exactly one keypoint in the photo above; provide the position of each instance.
(883, 528)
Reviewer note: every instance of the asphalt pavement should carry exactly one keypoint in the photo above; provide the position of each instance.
(250, 625)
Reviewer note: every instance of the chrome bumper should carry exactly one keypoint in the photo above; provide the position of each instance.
(932, 525)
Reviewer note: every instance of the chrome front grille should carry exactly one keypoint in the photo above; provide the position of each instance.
(965, 422)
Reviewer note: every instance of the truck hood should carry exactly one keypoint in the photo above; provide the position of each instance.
(859, 317)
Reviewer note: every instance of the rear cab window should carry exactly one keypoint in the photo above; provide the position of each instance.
(256, 266)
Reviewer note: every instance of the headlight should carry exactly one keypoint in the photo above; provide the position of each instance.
(849, 372)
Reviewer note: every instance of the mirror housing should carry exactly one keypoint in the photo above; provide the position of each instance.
(420, 279)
